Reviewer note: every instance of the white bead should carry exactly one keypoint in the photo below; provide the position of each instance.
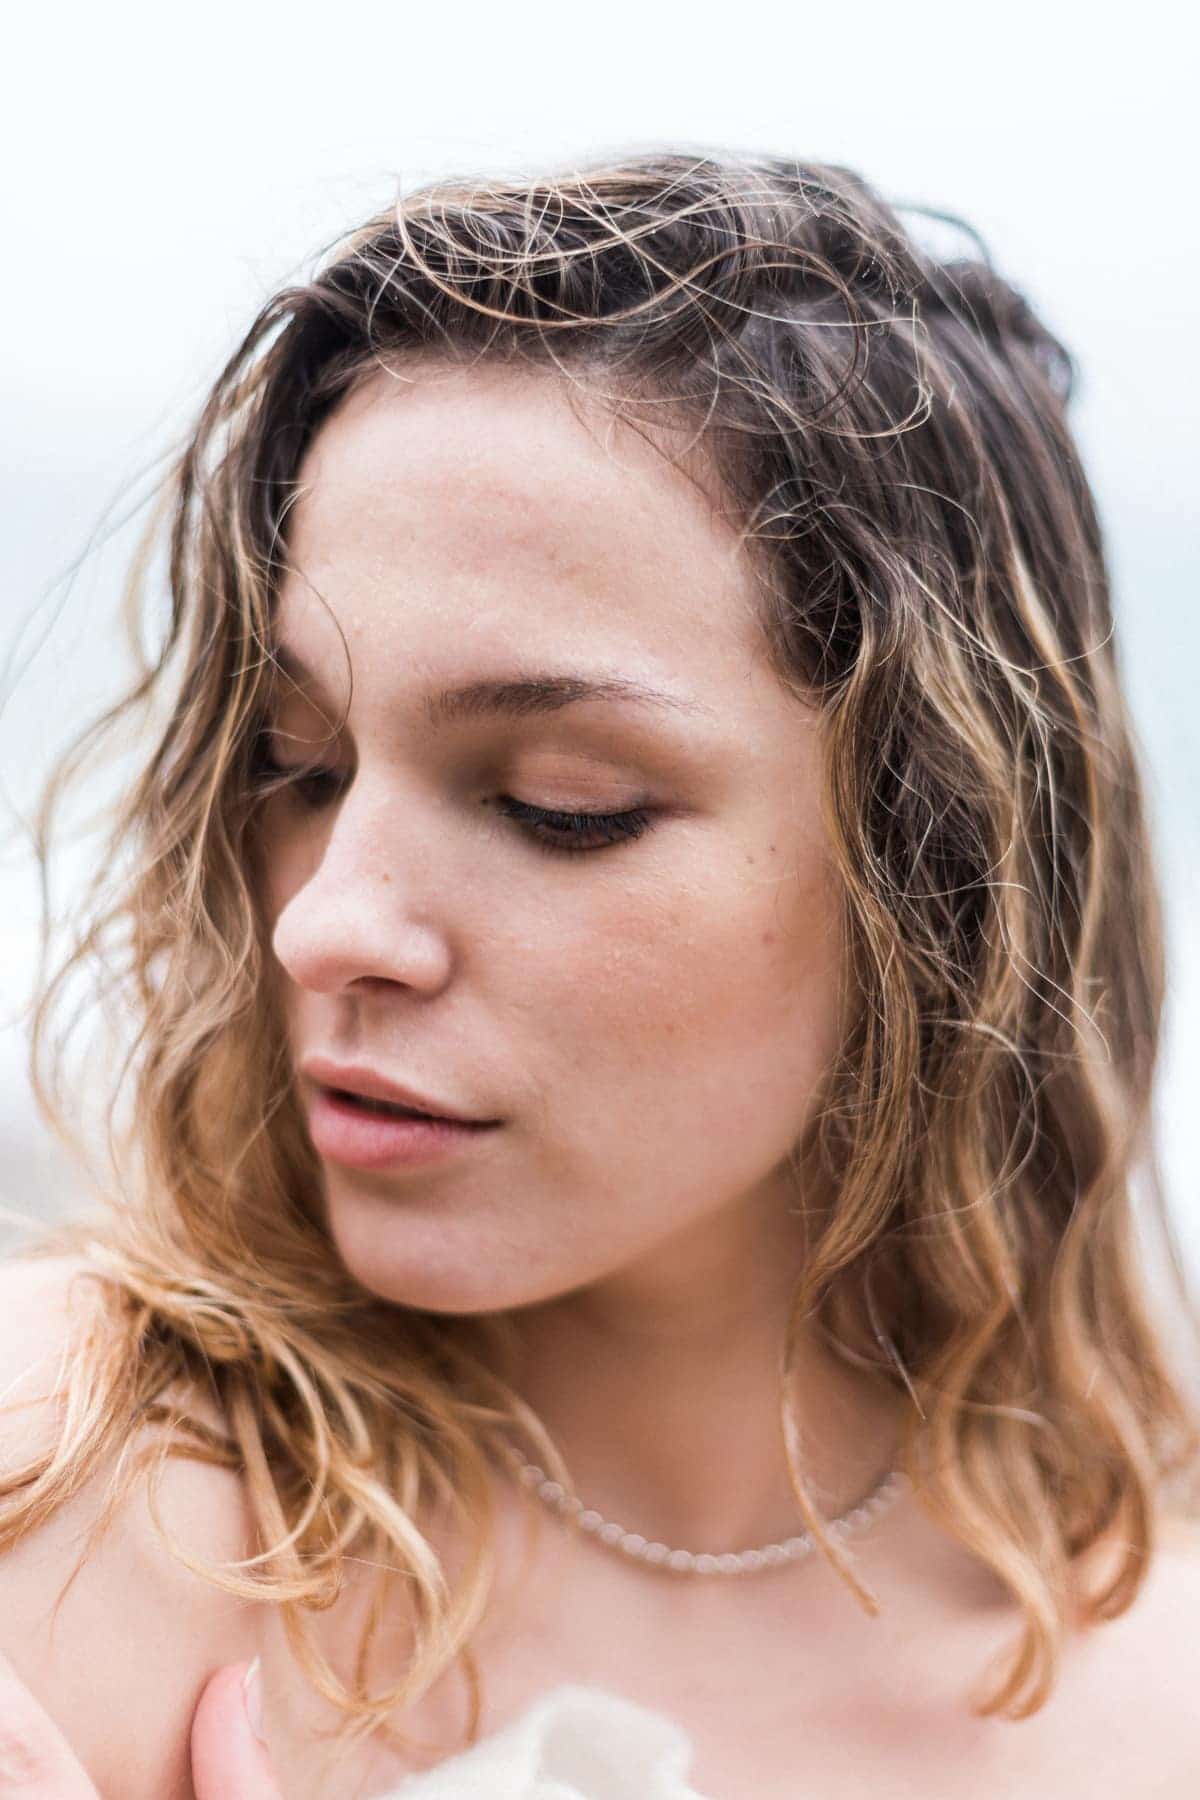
(561, 1500)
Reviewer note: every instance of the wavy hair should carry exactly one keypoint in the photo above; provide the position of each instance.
(888, 430)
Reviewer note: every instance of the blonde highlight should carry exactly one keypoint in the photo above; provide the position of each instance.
(889, 433)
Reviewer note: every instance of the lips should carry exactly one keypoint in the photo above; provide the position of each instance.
(360, 1082)
(384, 1109)
(358, 1134)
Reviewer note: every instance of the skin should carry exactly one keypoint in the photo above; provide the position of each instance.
(651, 1019)
(651, 1023)
(228, 1754)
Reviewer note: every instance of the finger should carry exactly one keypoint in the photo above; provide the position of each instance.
(36, 1761)
(228, 1758)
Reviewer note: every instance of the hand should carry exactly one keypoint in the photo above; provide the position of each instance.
(228, 1760)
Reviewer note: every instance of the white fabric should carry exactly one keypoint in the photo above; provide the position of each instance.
(574, 1743)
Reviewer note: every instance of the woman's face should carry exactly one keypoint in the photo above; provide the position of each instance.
(647, 1018)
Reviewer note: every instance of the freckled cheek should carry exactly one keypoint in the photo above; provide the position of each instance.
(720, 973)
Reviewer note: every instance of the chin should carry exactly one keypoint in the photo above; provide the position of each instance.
(426, 1269)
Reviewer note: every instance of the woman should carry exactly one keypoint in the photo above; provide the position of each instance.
(649, 972)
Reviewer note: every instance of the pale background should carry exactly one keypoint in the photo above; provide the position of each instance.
(166, 168)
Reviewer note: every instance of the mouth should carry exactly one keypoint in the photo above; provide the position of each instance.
(387, 1109)
(363, 1131)
(360, 1084)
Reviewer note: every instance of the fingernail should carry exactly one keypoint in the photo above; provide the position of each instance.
(252, 1693)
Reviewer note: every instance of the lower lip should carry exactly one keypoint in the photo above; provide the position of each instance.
(344, 1133)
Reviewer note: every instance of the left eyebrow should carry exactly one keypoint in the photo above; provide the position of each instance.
(527, 695)
(517, 696)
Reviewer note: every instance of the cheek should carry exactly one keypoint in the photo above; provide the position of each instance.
(722, 997)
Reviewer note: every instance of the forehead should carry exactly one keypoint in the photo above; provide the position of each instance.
(447, 517)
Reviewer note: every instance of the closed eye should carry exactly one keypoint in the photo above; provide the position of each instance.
(312, 787)
(560, 833)
(572, 832)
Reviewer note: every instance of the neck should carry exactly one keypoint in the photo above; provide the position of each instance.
(662, 1388)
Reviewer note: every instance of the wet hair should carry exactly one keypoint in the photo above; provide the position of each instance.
(887, 429)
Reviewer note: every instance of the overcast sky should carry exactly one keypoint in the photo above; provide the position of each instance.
(167, 167)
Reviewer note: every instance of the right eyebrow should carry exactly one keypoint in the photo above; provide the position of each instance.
(519, 695)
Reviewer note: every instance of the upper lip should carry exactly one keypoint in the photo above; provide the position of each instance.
(357, 1078)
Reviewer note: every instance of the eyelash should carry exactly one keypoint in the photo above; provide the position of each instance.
(614, 828)
(318, 787)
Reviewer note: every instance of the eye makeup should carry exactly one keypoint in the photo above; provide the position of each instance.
(313, 789)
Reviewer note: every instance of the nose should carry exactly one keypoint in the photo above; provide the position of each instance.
(365, 911)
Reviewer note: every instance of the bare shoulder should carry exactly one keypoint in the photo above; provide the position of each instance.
(1141, 1677)
(1166, 1647)
(118, 1646)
